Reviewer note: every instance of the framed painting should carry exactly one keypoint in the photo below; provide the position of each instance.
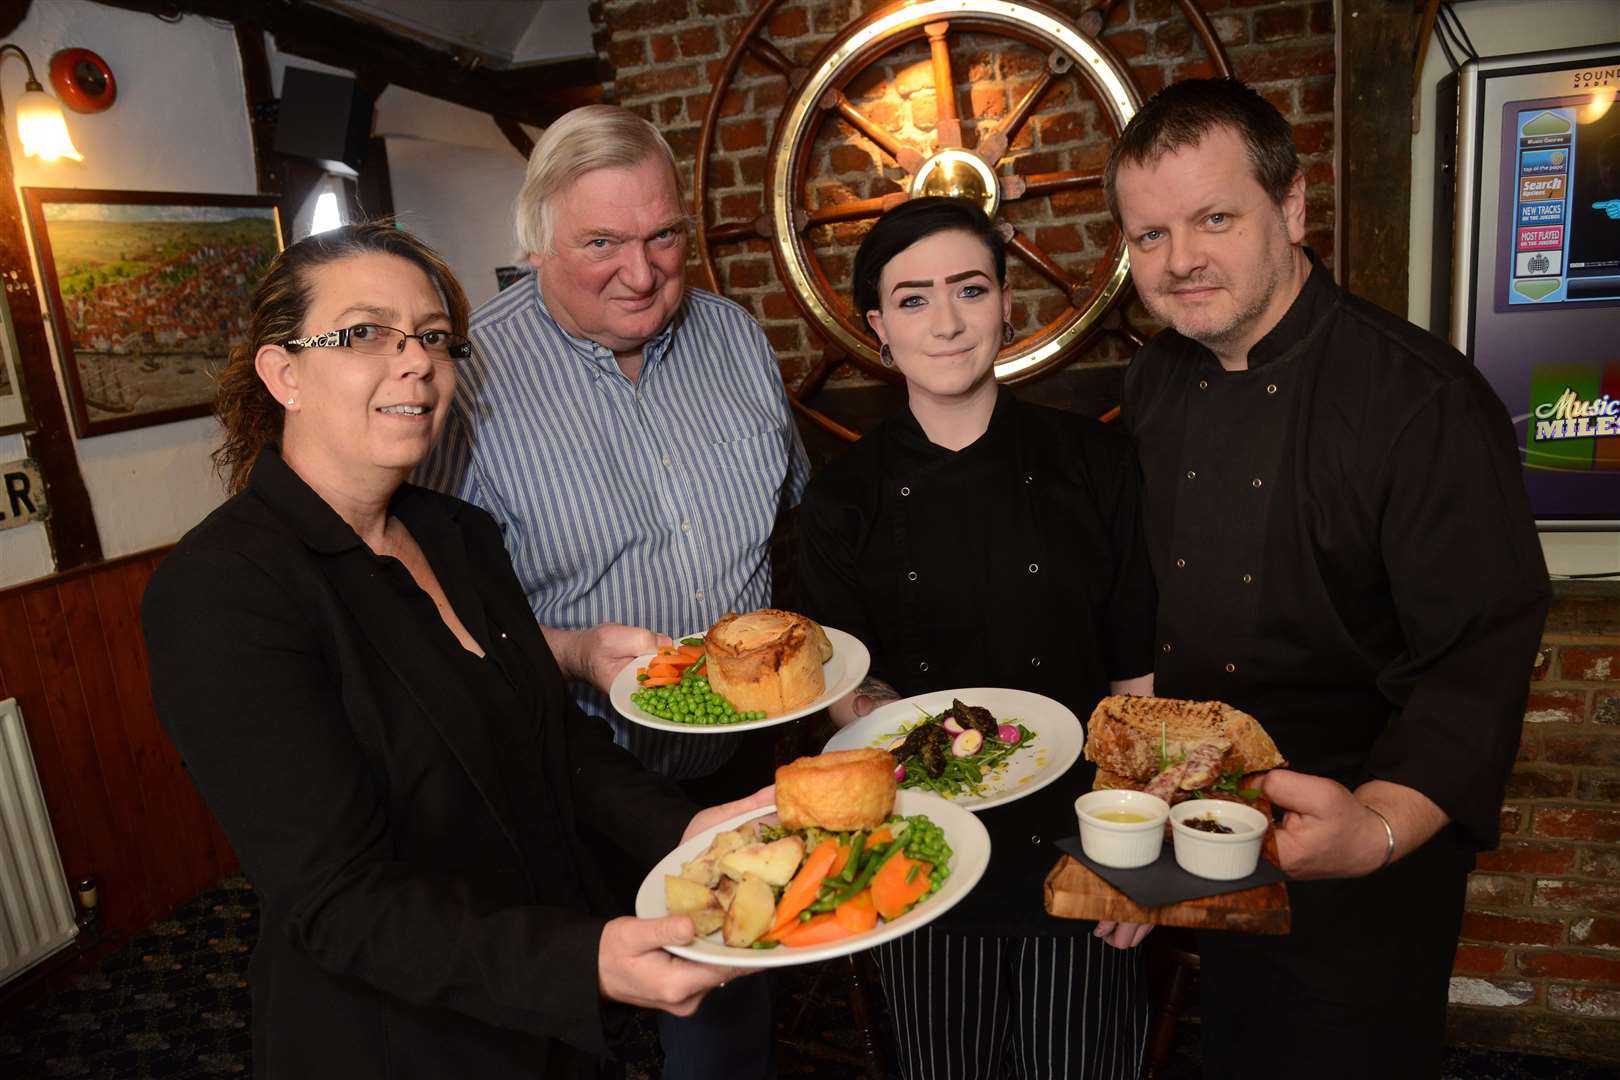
(149, 293)
(13, 398)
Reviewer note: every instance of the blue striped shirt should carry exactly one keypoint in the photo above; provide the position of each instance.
(649, 503)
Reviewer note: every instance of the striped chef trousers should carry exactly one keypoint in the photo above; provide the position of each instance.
(974, 1007)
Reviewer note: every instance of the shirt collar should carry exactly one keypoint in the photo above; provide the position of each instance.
(914, 438)
(1316, 295)
(600, 356)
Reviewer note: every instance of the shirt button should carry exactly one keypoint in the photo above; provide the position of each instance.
(666, 461)
(1165, 647)
(1034, 568)
(1271, 388)
(1192, 474)
(1034, 661)
(1248, 579)
(922, 666)
(911, 576)
(905, 491)
(686, 526)
(1230, 668)
(1181, 564)
(698, 595)
(1255, 482)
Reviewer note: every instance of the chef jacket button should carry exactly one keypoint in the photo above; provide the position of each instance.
(923, 666)
(1230, 668)
(1256, 482)
(1271, 388)
(911, 576)
(1203, 384)
(1034, 568)
(905, 491)
(1191, 474)
(1165, 646)
(1035, 839)
(1029, 479)
(1248, 579)
(1034, 661)
(1181, 564)
(503, 635)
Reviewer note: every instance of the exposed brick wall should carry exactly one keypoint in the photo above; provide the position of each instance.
(667, 54)
(1538, 966)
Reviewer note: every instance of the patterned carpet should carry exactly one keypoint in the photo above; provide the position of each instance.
(174, 1003)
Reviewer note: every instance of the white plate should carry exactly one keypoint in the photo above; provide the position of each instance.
(970, 854)
(842, 673)
(1059, 737)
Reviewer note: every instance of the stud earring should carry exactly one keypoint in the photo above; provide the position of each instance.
(289, 401)
(885, 355)
(1007, 333)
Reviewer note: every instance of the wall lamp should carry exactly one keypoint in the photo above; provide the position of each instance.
(40, 121)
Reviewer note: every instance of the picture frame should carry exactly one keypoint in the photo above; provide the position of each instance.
(148, 291)
(14, 412)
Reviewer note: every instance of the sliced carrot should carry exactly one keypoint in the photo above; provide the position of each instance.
(857, 914)
(660, 680)
(844, 852)
(801, 891)
(895, 888)
(656, 669)
(879, 838)
(818, 931)
(690, 651)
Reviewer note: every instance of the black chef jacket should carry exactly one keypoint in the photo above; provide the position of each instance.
(1344, 548)
(1014, 562)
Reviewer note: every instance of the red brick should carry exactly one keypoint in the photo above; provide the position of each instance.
(1511, 930)
(1597, 613)
(628, 52)
(784, 337)
(1577, 895)
(699, 41)
(660, 80)
(740, 207)
(1059, 239)
(1231, 29)
(1173, 40)
(742, 136)
(1313, 138)
(1497, 890)
(1509, 819)
(1594, 933)
(779, 305)
(668, 110)
(1590, 663)
(1130, 44)
(1083, 201)
(684, 143)
(1517, 858)
(1321, 18)
(1606, 707)
(1601, 862)
(989, 102)
(1197, 69)
(1279, 23)
(663, 48)
(748, 273)
(751, 169)
(1316, 96)
(1284, 62)
(770, 96)
(1529, 747)
(1582, 967)
(1066, 126)
(1151, 10)
(924, 110)
(1577, 823)
(791, 23)
(1555, 707)
(716, 7)
(1581, 749)
(649, 15)
(1538, 782)
(1597, 785)
(1584, 1001)
(1478, 960)
(848, 159)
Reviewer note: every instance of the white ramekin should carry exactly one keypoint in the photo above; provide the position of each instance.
(1122, 845)
(1218, 856)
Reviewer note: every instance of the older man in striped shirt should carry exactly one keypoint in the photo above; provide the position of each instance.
(631, 435)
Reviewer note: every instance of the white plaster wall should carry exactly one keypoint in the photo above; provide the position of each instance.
(179, 125)
(1499, 27)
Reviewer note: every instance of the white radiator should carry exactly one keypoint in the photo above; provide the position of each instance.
(36, 912)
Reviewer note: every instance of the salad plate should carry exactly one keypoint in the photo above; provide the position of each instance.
(848, 666)
(1058, 738)
(970, 854)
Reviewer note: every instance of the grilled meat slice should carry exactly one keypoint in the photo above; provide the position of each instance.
(1199, 769)
(935, 750)
(976, 717)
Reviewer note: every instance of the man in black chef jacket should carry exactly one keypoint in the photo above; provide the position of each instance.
(1343, 548)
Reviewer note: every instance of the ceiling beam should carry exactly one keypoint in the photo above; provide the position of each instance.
(534, 94)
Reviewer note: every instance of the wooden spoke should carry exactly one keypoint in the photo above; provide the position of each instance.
(853, 211)
(729, 232)
(907, 158)
(823, 421)
(817, 376)
(1046, 183)
(775, 58)
(1073, 288)
(949, 122)
(994, 145)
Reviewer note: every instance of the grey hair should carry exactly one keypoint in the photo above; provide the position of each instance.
(585, 139)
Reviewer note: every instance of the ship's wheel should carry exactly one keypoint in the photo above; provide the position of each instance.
(812, 227)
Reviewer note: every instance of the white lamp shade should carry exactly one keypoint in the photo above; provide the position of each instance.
(43, 128)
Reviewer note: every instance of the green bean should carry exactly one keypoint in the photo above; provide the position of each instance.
(856, 846)
(873, 865)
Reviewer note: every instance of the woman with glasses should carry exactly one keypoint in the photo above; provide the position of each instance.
(976, 540)
(357, 685)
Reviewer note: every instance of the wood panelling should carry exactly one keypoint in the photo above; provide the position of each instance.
(123, 807)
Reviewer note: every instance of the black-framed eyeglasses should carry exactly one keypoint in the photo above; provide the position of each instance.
(375, 340)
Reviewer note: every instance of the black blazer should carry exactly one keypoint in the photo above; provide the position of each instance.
(427, 910)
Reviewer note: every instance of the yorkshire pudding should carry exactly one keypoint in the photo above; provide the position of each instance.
(839, 790)
(766, 661)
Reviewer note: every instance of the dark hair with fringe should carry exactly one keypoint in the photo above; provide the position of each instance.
(910, 222)
(1183, 113)
(250, 416)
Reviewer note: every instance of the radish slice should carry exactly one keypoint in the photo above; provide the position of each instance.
(967, 744)
(1008, 733)
(899, 774)
(950, 725)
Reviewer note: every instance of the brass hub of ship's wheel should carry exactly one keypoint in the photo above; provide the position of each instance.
(968, 159)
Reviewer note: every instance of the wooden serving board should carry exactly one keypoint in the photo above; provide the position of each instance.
(1074, 892)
